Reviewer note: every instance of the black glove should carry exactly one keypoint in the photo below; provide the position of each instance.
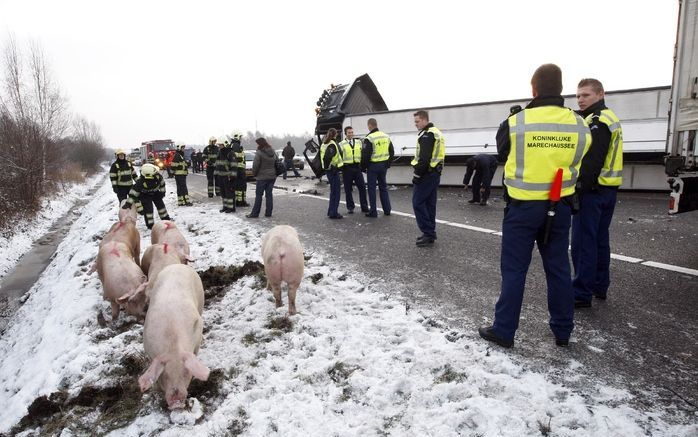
(416, 180)
(126, 206)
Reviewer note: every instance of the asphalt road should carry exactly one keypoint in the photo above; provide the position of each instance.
(643, 338)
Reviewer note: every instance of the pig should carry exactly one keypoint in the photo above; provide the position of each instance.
(172, 333)
(166, 231)
(125, 231)
(120, 276)
(128, 214)
(157, 257)
(282, 255)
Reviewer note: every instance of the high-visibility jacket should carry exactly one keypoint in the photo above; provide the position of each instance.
(544, 139)
(351, 152)
(211, 154)
(179, 165)
(147, 185)
(337, 161)
(381, 146)
(612, 171)
(438, 153)
(122, 173)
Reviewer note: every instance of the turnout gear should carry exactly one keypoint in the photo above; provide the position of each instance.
(226, 174)
(149, 189)
(238, 167)
(179, 166)
(210, 154)
(122, 174)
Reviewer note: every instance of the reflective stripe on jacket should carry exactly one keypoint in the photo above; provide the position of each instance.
(351, 152)
(612, 170)
(438, 153)
(337, 161)
(544, 139)
(381, 146)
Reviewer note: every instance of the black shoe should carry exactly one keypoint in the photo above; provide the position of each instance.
(365, 210)
(188, 204)
(426, 241)
(350, 211)
(223, 210)
(229, 210)
(386, 213)
(582, 303)
(242, 204)
(600, 296)
(562, 342)
(210, 196)
(473, 201)
(267, 215)
(251, 216)
(167, 217)
(338, 216)
(487, 332)
(483, 203)
(371, 215)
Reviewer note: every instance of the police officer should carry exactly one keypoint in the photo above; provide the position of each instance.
(122, 174)
(332, 162)
(536, 142)
(149, 189)
(375, 158)
(179, 166)
(428, 162)
(351, 171)
(226, 174)
(599, 178)
(238, 167)
(483, 167)
(210, 154)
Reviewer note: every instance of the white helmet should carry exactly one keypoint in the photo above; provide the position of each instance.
(180, 146)
(236, 135)
(222, 140)
(212, 140)
(120, 152)
(148, 170)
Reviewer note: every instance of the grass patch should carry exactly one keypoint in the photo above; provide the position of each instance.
(215, 279)
(316, 277)
(282, 323)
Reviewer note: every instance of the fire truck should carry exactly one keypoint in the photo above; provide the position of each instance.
(163, 152)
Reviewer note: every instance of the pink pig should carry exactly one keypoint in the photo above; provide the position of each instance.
(172, 333)
(282, 255)
(166, 231)
(120, 276)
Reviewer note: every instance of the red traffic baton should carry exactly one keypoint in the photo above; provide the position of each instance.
(553, 199)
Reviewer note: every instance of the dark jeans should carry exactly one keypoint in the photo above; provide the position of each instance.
(263, 187)
(424, 196)
(482, 183)
(288, 165)
(354, 176)
(523, 226)
(376, 175)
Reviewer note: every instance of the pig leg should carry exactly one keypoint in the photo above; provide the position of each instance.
(114, 311)
(276, 289)
(292, 288)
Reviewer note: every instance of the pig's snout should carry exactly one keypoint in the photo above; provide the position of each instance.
(176, 398)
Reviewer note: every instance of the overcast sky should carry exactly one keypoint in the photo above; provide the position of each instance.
(188, 70)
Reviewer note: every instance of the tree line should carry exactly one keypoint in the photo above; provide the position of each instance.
(43, 145)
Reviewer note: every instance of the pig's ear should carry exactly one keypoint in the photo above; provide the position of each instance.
(132, 294)
(189, 258)
(152, 374)
(197, 369)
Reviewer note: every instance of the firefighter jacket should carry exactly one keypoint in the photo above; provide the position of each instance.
(542, 138)
(330, 156)
(351, 151)
(225, 163)
(211, 154)
(603, 164)
(430, 152)
(239, 155)
(122, 173)
(179, 164)
(152, 186)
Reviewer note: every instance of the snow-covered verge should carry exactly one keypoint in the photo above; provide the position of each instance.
(52, 208)
(354, 361)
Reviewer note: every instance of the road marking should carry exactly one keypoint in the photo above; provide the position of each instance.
(628, 259)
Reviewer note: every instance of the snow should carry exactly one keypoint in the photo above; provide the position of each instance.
(25, 233)
(355, 362)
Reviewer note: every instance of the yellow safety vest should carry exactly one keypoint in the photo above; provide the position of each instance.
(381, 146)
(612, 171)
(337, 161)
(544, 139)
(438, 153)
(352, 153)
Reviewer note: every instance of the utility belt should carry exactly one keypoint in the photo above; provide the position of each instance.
(572, 201)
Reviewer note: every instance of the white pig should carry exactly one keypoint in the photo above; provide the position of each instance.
(130, 214)
(282, 254)
(166, 231)
(125, 232)
(172, 333)
(120, 276)
(157, 257)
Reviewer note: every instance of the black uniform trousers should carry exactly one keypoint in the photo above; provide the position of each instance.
(122, 192)
(147, 200)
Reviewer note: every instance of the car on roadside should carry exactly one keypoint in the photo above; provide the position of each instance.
(249, 159)
(298, 161)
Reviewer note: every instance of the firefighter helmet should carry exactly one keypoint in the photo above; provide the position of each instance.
(222, 141)
(148, 170)
(212, 140)
(180, 146)
(236, 135)
(120, 152)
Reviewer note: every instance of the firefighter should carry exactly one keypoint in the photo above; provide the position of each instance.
(122, 175)
(239, 169)
(599, 178)
(332, 162)
(536, 142)
(149, 189)
(226, 174)
(210, 155)
(150, 159)
(179, 166)
(428, 162)
(375, 159)
(351, 171)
